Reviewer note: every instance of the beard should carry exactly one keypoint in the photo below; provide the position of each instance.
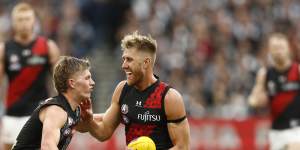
(25, 34)
(135, 78)
(278, 60)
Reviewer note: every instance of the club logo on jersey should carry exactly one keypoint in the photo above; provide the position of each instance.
(290, 86)
(138, 104)
(67, 132)
(148, 117)
(26, 52)
(125, 119)
(124, 109)
(36, 60)
(14, 63)
(282, 79)
(271, 88)
(70, 121)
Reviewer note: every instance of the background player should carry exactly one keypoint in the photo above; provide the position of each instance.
(26, 60)
(278, 87)
(147, 106)
(52, 124)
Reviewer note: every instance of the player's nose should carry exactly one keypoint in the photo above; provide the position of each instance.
(124, 65)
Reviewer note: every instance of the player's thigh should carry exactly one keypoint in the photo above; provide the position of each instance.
(277, 140)
(293, 137)
(293, 146)
(11, 126)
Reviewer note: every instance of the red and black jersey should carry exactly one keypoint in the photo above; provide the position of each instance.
(283, 89)
(27, 67)
(143, 114)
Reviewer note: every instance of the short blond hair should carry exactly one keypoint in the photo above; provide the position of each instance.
(140, 42)
(65, 68)
(278, 35)
(21, 7)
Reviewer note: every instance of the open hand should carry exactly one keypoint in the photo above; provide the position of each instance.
(86, 110)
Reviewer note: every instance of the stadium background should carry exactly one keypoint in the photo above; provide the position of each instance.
(209, 50)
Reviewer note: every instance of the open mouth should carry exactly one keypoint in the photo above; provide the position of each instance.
(128, 73)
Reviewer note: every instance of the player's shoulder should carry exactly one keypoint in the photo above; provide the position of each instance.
(51, 43)
(2, 43)
(55, 112)
(121, 84)
(174, 105)
(262, 71)
(118, 91)
(173, 95)
(56, 109)
(2, 47)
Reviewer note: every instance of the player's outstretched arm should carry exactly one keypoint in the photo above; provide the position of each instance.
(102, 127)
(1, 62)
(54, 52)
(178, 125)
(53, 118)
(258, 96)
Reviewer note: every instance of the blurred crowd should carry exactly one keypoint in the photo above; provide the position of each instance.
(78, 26)
(210, 50)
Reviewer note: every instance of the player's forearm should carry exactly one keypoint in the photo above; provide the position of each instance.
(180, 135)
(47, 145)
(181, 143)
(82, 128)
(98, 131)
(180, 147)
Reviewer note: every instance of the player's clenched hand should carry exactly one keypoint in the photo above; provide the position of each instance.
(86, 110)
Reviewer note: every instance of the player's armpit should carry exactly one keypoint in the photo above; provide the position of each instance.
(178, 126)
(53, 118)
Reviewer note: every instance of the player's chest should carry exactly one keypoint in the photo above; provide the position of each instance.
(282, 83)
(140, 108)
(20, 58)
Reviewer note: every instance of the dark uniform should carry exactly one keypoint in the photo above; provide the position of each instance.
(283, 90)
(31, 134)
(26, 68)
(143, 114)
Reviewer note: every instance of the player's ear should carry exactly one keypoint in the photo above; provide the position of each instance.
(147, 62)
(71, 83)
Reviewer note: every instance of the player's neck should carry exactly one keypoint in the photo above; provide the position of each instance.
(24, 40)
(71, 100)
(146, 82)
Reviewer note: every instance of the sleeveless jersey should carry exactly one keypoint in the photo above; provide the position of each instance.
(283, 90)
(143, 114)
(31, 134)
(26, 68)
